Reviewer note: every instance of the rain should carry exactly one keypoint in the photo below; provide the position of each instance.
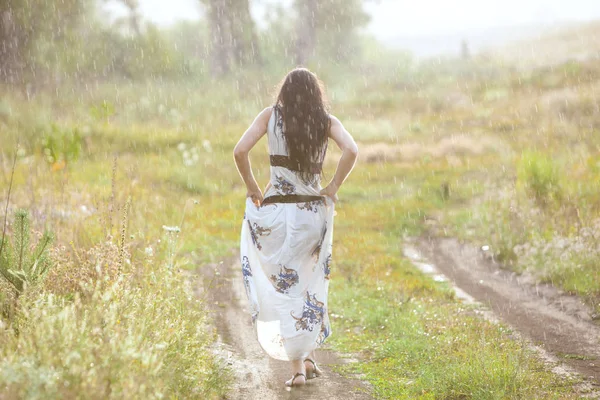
(465, 258)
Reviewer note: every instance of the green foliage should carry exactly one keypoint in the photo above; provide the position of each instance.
(42, 31)
(145, 339)
(62, 41)
(107, 52)
(21, 264)
(337, 23)
(432, 348)
(539, 174)
(62, 146)
(191, 39)
(102, 112)
(593, 163)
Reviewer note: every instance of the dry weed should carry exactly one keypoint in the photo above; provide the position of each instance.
(449, 147)
(77, 271)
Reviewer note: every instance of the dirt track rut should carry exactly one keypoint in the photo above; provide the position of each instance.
(557, 322)
(256, 375)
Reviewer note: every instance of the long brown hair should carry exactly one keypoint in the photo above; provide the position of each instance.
(305, 120)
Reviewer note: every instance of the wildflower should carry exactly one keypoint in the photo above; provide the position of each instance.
(149, 251)
(171, 228)
(59, 165)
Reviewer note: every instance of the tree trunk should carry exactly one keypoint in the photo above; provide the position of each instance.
(134, 16)
(243, 33)
(10, 57)
(306, 30)
(220, 36)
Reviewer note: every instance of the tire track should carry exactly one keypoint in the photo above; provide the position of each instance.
(559, 325)
(256, 375)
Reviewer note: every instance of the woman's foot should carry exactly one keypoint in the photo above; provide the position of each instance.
(299, 374)
(299, 379)
(312, 370)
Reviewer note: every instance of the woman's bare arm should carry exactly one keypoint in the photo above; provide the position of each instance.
(346, 143)
(242, 149)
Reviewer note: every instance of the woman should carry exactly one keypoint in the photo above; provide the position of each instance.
(286, 238)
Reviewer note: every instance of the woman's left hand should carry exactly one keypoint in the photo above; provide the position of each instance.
(330, 191)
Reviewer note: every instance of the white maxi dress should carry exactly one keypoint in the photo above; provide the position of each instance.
(286, 255)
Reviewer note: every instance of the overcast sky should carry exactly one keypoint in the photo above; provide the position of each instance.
(397, 21)
(422, 17)
(427, 17)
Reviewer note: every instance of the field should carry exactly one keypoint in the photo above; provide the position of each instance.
(137, 184)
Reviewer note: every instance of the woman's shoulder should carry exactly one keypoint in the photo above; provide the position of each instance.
(334, 122)
(268, 111)
(265, 115)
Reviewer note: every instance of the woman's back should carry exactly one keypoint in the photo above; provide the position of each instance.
(285, 180)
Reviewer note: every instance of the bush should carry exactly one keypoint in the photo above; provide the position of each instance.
(20, 264)
(145, 336)
(61, 146)
(539, 174)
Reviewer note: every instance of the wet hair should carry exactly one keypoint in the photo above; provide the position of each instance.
(305, 121)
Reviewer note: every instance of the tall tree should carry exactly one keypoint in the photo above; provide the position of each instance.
(306, 29)
(243, 33)
(220, 36)
(134, 15)
(23, 23)
(327, 25)
(11, 45)
(233, 34)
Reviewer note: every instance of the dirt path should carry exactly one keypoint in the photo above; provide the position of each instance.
(256, 375)
(558, 323)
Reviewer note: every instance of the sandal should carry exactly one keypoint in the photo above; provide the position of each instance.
(315, 372)
(291, 383)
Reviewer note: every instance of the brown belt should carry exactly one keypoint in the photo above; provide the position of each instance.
(292, 198)
(286, 162)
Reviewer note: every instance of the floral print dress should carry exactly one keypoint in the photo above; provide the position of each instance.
(286, 256)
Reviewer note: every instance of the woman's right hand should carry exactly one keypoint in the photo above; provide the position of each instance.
(330, 191)
(255, 196)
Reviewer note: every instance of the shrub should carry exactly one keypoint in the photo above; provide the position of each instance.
(141, 337)
(83, 271)
(62, 146)
(20, 264)
(539, 174)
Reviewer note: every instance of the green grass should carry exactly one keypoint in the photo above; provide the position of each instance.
(432, 349)
(413, 338)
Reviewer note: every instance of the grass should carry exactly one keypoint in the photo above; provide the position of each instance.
(432, 348)
(114, 318)
(147, 339)
(413, 339)
(446, 146)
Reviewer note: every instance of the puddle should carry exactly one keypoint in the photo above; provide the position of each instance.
(412, 253)
(430, 269)
(426, 268)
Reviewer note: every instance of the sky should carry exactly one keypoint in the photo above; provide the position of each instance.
(431, 17)
(413, 23)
